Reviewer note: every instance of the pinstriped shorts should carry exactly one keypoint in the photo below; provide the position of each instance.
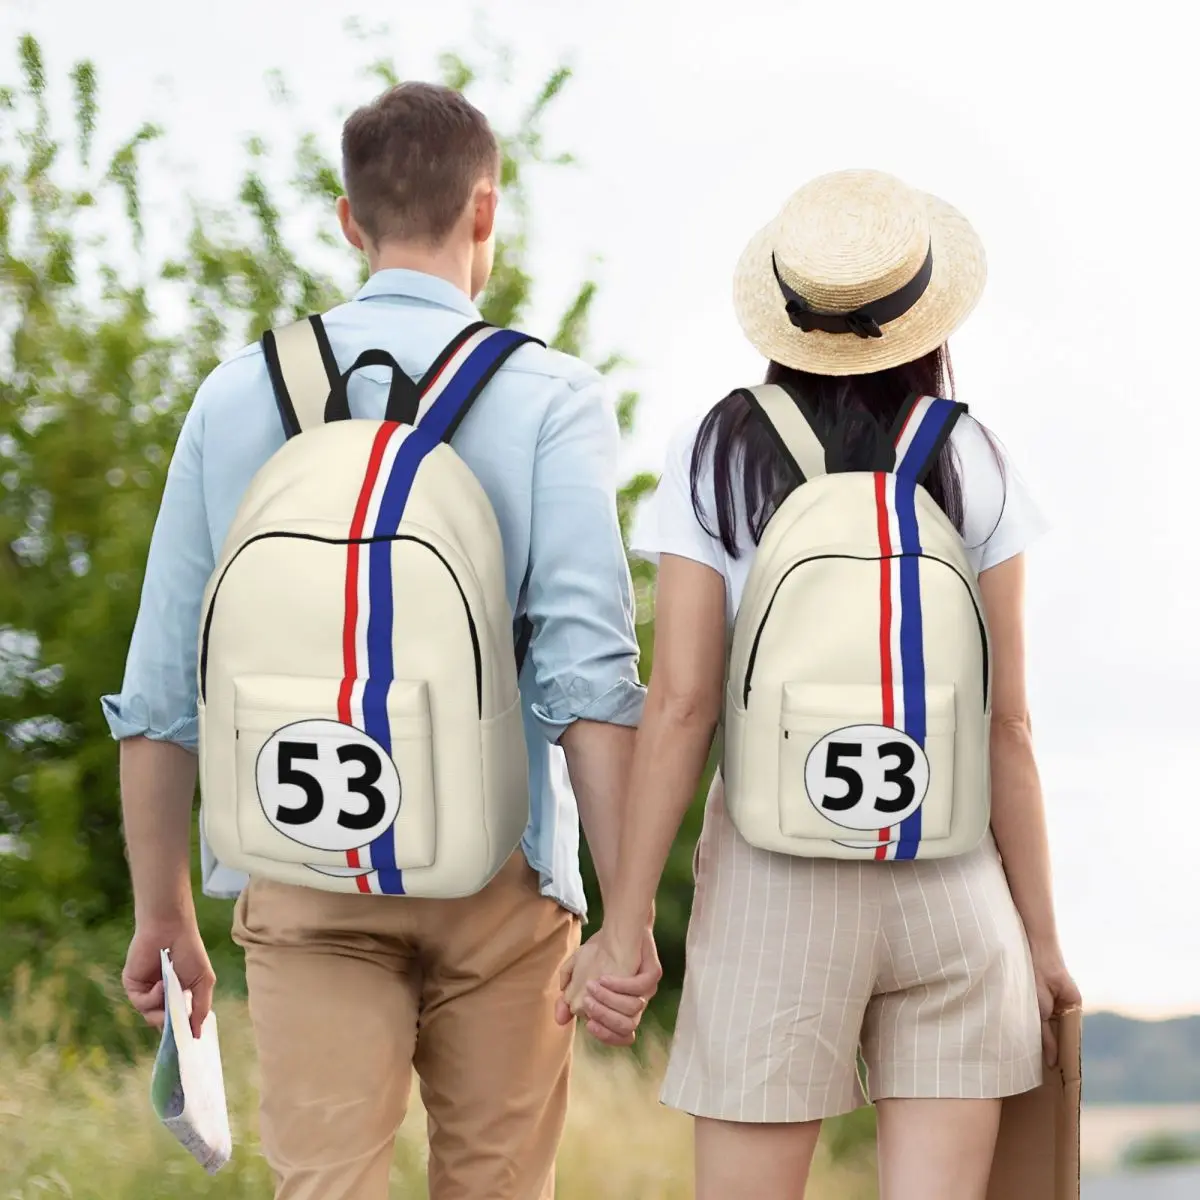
(794, 965)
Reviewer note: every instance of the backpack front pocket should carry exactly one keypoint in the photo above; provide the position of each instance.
(847, 776)
(346, 797)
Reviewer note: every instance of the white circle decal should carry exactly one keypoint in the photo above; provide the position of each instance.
(866, 777)
(327, 785)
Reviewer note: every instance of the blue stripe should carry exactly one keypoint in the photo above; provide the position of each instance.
(380, 673)
(380, 666)
(446, 407)
(912, 643)
(912, 633)
(936, 416)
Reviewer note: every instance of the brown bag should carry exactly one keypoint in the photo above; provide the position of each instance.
(1037, 1152)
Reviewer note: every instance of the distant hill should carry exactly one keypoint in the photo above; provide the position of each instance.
(1126, 1061)
(1178, 1183)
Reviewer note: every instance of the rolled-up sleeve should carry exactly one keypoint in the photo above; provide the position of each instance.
(579, 597)
(158, 696)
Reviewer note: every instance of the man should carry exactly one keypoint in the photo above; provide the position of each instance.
(349, 992)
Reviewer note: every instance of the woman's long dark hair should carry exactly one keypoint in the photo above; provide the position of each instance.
(855, 411)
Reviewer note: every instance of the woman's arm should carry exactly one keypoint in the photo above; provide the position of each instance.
(1018, 814)
(683, 705)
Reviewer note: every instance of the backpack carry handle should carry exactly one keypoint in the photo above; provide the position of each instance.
(404, 397)
(310, 391)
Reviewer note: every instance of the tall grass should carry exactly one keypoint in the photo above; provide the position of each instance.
(78, 1124)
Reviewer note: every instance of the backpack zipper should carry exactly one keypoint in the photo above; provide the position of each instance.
(366, 541)
(866, 558)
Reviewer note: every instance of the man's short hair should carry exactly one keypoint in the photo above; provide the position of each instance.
(410, 159)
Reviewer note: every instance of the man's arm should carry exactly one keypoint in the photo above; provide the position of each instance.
(599, 756)
(580, 600)
(158, 781)
(154, 717)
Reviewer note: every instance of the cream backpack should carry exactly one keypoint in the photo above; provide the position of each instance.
(858, 704)
(360, 722)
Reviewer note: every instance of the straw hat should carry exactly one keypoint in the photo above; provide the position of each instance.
(858, 273)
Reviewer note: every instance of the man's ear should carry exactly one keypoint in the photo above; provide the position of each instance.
(350, 229)
(487, 198)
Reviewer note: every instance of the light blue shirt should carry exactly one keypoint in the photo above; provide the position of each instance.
(542, 440)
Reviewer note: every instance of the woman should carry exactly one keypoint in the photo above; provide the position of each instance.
(937, 968)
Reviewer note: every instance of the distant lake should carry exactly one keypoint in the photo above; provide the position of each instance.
(1107, 1130)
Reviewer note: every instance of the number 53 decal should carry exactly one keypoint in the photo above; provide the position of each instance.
(866, 777)
(327, 785)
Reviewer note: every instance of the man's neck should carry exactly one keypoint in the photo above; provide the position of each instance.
(450, 263)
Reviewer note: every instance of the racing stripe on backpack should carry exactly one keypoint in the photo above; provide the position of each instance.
(910, 633)
(911, 428)
(433, 388)
(921, 437)
(901, 637)
(902, 632)
(892, 698)
(363, 609)
(369, 669)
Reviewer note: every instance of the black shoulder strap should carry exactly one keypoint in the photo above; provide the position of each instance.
(303, 373)
(792, 426)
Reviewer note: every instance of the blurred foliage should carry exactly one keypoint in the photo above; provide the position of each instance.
(1163, 1149)
(95, 379)
(94, 383)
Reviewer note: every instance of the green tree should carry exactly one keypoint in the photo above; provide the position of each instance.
(93, 387)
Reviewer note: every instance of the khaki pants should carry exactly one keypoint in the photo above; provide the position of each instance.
(349, 993)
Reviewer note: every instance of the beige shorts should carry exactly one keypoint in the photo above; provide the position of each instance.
(794, 965)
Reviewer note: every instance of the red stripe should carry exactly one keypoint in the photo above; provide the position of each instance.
(907, 419)
(885, 619)
(352, 860)
(350, 627)
(348, 635)
(427, 384)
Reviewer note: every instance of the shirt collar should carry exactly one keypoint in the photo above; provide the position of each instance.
(416, 285)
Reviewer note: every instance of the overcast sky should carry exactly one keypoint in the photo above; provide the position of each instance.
(1066, 135)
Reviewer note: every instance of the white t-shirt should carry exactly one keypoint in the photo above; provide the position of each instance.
(1000, 518)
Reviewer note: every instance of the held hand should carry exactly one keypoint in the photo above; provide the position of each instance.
(142, 977)
(1056, 992)
(600, 985)
(596, 957)
(615, 1005)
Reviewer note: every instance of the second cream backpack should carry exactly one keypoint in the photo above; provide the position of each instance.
(858, 702)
